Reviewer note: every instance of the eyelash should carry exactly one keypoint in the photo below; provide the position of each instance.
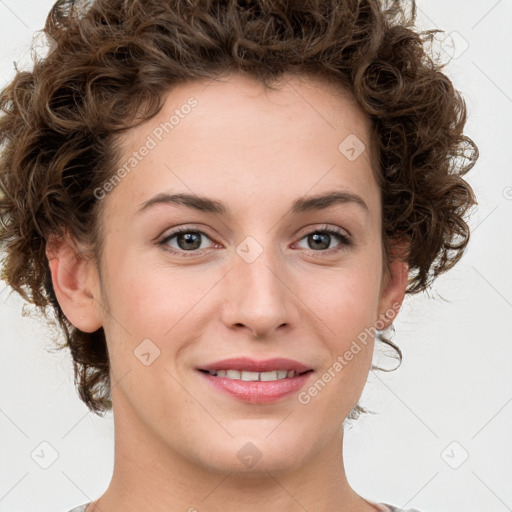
(345, 240)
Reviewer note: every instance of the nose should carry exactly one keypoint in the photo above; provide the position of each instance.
(257, 298)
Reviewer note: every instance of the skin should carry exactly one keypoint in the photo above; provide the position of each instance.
(257, 151)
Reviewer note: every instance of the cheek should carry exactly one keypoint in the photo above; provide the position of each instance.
(156, 310)
(347, 298)
(150, 298)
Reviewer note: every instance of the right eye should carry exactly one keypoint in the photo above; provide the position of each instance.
(183, 240)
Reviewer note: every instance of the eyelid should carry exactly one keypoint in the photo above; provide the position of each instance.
(344, 236)
(163, 239)
(346, 239)
(325, 227)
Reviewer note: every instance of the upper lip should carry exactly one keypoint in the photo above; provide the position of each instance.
(251, 365)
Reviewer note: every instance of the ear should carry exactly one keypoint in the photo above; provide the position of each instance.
(393, 288)
(75, 282)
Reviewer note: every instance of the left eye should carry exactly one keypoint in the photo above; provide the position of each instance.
(321, 240)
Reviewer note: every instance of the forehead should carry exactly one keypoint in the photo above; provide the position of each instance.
(313, 104)
(235, 132)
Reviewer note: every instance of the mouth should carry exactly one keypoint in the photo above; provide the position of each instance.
(249, 376)
(256, 382)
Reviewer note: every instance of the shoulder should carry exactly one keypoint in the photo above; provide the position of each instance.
(81, 508)
(386, 507)
(391, 508)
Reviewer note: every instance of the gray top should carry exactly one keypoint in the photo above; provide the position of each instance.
(384, 506)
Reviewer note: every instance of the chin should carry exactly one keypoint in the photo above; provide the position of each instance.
(256, 456)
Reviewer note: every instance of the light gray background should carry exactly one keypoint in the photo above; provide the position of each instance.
(455, 384)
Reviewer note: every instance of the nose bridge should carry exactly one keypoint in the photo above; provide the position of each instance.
(256, 296)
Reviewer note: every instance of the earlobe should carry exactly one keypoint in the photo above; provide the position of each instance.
(75, 283)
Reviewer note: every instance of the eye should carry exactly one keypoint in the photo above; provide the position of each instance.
(186, 239)
(182, 240)
(321, 239)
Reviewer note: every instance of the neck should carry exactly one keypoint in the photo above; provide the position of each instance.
(150, 475)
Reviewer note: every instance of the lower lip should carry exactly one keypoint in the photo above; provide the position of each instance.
(258, 392)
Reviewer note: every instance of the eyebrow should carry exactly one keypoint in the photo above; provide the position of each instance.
(303, 204)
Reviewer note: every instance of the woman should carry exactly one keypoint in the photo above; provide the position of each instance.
(224, 203)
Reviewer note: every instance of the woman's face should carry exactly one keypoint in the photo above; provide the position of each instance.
(260, 271)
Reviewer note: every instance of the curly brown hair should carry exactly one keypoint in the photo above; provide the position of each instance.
(112, 66)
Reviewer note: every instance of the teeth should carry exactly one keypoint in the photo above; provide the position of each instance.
(253, 376)
(248, 376)
(268, 376)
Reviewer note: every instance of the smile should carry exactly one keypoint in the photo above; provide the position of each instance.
(249, 376)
